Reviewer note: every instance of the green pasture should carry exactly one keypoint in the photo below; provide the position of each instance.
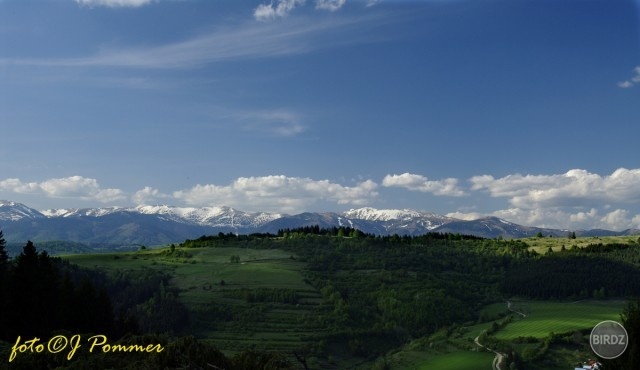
(545, 317)
(458, 360)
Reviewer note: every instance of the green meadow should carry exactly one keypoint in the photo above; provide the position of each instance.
(456, 360)
(548, 317)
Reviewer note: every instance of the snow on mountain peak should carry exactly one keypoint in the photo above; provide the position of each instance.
(12, 211)
(210, 216)
(372, 214)
(78, 212)
(399, 218)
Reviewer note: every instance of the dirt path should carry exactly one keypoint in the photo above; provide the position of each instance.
(512, 310)
(497, 361)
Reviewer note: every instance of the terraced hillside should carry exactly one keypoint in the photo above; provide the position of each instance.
(239, 298)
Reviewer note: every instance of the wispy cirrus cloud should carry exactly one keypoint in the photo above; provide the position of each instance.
(370, 3)
(445, 187)
(277, 122)
(115, 3)
(278, 193)
(251, 40)
(330, 5)
(67, 187)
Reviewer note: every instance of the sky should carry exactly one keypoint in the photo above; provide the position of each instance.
(522, 109)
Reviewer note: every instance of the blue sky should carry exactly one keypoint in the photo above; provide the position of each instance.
(527, 110)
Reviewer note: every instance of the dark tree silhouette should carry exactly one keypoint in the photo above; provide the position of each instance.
(4, 256)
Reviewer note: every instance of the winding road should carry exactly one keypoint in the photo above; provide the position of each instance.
(497, 361)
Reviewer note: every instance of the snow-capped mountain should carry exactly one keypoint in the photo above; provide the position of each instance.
(162, 224)
(204, 216)
(210, 216)
(81, 212)
(396, 221)
(12, 211)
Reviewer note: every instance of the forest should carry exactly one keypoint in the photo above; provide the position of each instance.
(368, 296)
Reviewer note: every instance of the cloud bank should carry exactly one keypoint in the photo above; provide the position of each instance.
(575, 188)
(577, 199)
(278, 193)
(68, 187)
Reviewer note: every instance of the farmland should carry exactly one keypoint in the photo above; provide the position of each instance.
(544, 318)
(206, 279)
(397, 303)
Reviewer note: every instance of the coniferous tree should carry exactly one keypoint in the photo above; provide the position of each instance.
(4, 275)
(630, 359)
(4, 256)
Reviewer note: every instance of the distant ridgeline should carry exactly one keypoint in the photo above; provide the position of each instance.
(372, 294)
(381, 291)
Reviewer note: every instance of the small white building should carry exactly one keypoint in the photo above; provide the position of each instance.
(590, 365)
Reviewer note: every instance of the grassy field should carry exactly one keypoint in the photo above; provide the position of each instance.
(458, 360)
(558, 317)
(542, 245)
(206, 276)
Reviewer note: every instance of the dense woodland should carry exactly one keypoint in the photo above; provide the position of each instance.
(382, 291)
(378, 292)
(42, 296)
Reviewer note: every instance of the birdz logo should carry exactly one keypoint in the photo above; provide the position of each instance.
(609, 339)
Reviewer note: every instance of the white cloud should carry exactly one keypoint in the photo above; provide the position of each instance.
(447, 187)
(559, 218)
(635, 79)
(277, 193)
(17, 186)
(114, 3)
(556, 218)
(467, 216)
(371, 3)
(576, 188)
(67, 187)
(625, 84)
(330, 5)
(266, 12)
(574, 200)
(618, 219)
(148, 195)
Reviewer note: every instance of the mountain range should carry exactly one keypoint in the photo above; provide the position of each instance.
(162, 224)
